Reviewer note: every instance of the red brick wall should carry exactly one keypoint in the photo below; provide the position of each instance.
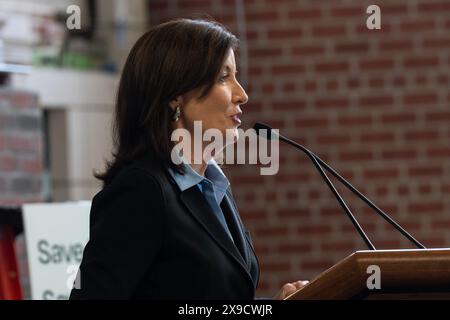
(373, 104)
(21, 154)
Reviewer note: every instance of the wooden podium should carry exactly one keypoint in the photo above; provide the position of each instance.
(404, 274)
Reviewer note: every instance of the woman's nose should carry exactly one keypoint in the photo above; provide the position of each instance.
(240, 95)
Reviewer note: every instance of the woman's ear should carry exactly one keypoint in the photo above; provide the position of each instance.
(177, 102)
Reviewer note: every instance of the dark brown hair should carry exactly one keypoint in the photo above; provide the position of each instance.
(169, 60)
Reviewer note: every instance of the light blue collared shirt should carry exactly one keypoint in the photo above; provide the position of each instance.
(214, 178)
(213, 174)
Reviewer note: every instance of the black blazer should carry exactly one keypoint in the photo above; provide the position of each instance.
(149, 240)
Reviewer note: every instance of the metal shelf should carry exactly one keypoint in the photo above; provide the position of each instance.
(14, 68)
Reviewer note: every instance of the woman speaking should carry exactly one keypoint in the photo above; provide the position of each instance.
(165, 229)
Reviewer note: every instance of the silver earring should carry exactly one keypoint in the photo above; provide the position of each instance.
(176, 115)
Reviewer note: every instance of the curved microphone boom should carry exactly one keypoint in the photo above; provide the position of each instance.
(266, 131)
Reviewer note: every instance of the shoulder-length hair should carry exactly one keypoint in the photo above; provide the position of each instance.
(169, 60)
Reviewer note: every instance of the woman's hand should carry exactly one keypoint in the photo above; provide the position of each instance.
(289, 288)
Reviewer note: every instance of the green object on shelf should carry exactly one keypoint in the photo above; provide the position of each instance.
(78, 61)
(69, 60)
(43, 59)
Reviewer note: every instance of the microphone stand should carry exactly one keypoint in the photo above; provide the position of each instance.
(318, 163)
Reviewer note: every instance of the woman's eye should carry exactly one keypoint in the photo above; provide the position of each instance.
(224, 77)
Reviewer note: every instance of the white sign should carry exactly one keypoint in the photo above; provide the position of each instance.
(55, 235)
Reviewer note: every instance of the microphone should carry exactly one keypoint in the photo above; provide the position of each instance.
(266, 131)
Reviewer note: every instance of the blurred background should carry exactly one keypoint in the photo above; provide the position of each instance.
(374, 104)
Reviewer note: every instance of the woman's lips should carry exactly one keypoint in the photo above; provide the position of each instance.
(236, 119)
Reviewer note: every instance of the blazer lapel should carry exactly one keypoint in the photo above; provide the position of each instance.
(235, 227)
(232, 204)
(197, 205)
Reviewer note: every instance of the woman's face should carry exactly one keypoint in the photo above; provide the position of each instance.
(220, 109)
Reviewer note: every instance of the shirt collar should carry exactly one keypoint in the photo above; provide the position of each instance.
(191, 178)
